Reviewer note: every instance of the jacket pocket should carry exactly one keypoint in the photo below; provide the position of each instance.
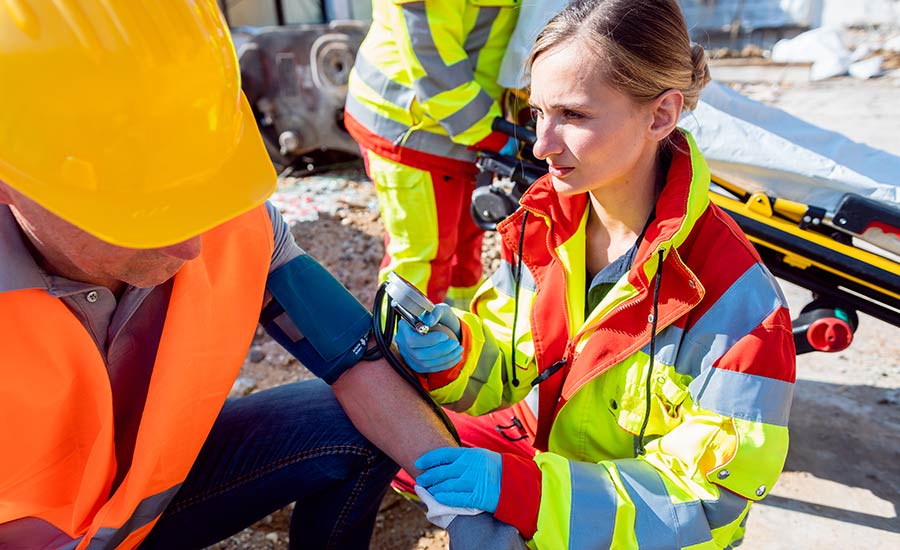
(627, 398)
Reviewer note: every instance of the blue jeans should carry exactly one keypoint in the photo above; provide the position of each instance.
(291, 443)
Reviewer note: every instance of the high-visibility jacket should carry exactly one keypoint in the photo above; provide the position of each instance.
(423, 89)
(721, 383)
(59, 461)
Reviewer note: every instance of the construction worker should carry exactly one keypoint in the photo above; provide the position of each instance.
(630, 366)
(137, 257)
(421, 99)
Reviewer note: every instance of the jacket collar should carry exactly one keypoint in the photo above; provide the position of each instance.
(683, 199)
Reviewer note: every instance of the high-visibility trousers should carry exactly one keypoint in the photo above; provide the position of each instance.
(430, 237)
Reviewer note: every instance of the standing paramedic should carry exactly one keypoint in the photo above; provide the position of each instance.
(422, 96)
(628, 370)
(137, 257)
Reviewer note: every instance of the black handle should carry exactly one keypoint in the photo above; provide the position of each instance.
(514, 130)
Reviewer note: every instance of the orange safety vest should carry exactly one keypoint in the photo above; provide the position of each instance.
(58, 459)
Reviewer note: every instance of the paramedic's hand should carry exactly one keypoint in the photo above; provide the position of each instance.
(462, 477)
(435, 351)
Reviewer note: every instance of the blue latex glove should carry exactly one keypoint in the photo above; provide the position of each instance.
(459, 476)
(511, 149)
(435, 351)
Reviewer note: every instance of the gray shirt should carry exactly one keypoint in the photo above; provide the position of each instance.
(126, 331)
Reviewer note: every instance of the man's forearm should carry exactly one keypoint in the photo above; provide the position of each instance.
(390, 413)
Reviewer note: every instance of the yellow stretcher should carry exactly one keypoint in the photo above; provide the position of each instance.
(849, 259)
(834, 255)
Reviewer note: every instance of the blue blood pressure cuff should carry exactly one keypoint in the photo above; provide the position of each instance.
(315, 318)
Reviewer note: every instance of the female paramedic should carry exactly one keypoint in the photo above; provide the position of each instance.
(631, 362)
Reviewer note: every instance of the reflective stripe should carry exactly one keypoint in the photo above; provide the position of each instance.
(667, 343)
(691, 526)
(593, 512)
(738, 311)
(480, 34)
(443, 78)
(504, 281)
(658, 523)
(437, 144)
(146, 511)
(654, 516)
(393, 92)
(439, 77)
(479, 378)
(724, 511)
(381, 125)
(420, 38)
(393, 131)
(468, 116)
(742, 395)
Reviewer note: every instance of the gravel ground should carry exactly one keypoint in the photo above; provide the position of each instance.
(841, 486)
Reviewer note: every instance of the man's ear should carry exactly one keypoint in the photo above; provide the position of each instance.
(666, 110)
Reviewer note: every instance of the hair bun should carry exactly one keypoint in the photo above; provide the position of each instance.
(700, 64)
(700, 76)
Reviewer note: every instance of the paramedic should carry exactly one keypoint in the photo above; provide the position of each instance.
(628, 371)
(422, 95)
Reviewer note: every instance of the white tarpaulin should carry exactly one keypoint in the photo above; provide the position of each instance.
(762, 148)
(533, 15)
(751, 14)
(757, 14)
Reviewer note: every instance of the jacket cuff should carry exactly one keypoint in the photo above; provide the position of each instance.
(435, 380)
(520, 494)
(493, 142)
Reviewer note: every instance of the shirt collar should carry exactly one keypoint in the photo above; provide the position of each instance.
(19, 271)
(617, 268)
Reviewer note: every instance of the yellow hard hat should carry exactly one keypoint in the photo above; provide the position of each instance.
(126, 118)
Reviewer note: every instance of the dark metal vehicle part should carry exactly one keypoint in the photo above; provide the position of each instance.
(295, 78)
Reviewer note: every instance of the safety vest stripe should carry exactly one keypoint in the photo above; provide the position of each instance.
(479, 377)
(480, 34)
(503, 280)
(469, 115)
(146, 511)
(451, 77)
(724, 511)
(390, 130)
(593, 509)
(440, 77)
(391, 91)
(659, 523)
(393, 131)
(749, 301)
(742, 395)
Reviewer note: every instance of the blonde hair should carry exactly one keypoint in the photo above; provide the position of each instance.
(643, 45)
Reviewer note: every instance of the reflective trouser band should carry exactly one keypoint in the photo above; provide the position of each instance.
(108, 538)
